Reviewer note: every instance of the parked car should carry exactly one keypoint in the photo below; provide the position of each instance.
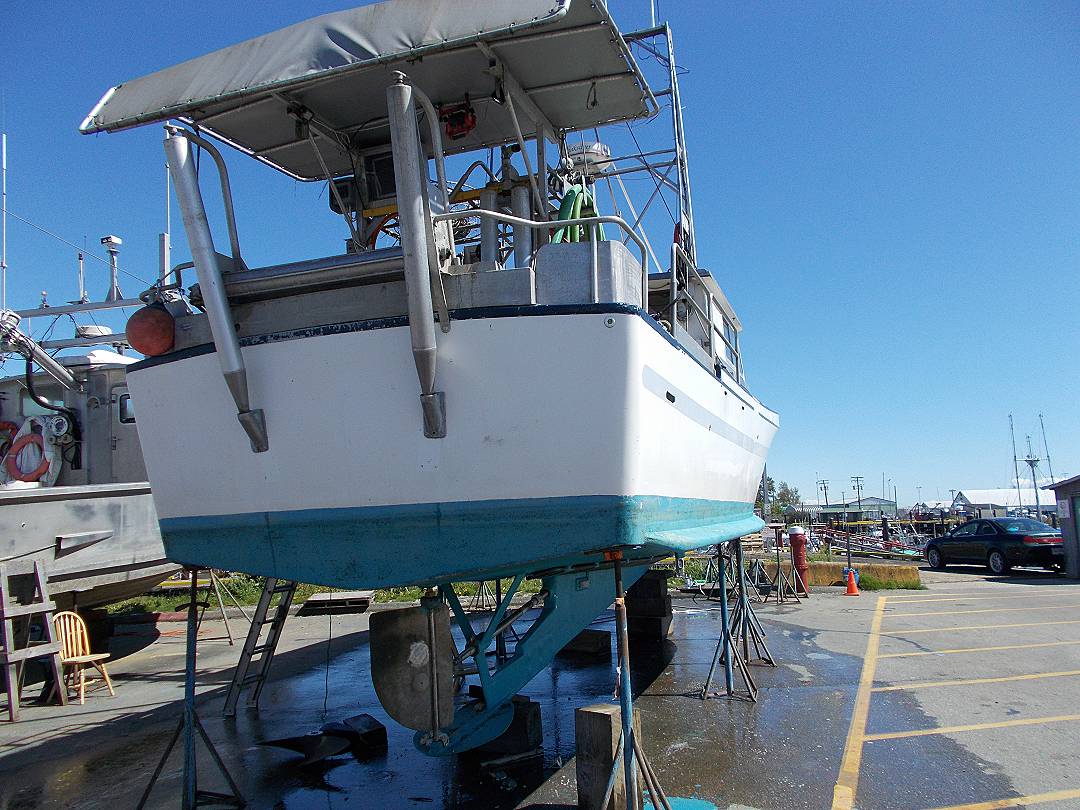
(999, 544)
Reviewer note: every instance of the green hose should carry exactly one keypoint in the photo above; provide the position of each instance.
(577, 203)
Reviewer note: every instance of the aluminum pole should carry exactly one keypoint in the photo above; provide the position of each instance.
(405, 145)
(3, 221)
(208, 270)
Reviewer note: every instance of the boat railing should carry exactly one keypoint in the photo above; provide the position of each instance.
(594, 280)
(706, 315)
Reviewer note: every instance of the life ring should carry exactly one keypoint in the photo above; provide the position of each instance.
(12, 461)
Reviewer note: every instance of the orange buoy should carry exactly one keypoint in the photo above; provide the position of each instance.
(150, 331)
(12, 462)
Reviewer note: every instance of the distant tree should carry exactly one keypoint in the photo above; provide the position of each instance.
(787, 495)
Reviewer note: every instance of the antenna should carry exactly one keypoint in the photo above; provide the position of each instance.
(3, 221)
(112, 246)
(1016, 468)
(83, 297)
(1046, 450)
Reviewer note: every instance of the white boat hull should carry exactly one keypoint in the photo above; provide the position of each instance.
(592, 428)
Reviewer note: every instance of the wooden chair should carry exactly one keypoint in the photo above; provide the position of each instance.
(75, 653)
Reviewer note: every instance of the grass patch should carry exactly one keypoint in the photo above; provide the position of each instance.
(900, 582)
(247, 589)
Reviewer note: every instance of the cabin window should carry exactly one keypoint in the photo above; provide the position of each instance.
(30, 408)
(125, 410)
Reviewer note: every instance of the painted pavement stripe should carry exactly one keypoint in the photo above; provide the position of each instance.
(848, 780)
(983, 610)
(980, 649)
(910, 630)
(1017, 801)
(958, 598)
(1033, 676)
(925, 732)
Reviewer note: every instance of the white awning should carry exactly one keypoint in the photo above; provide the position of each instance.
(565, 61)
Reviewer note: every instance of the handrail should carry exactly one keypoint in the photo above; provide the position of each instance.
(613, 220)
(226, 188)
(676, 251)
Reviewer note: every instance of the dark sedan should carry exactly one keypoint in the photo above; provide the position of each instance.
(999, 544)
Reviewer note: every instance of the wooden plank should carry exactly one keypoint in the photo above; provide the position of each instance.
(598, 729)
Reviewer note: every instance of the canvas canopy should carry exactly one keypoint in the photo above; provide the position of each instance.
(564, 61)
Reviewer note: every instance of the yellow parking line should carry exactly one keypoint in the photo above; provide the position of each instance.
(910, 630)
(982, 610)
(979, 649)
(924, 732)
(1017, 801)
(958, 598)
(1033, 676)
(848, 779)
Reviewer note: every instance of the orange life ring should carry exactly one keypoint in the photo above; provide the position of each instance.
(12, 462)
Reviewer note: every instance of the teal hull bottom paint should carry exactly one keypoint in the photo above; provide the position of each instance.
(683, 804)
(435, 543)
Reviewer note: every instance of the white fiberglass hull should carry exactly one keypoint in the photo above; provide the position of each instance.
(566, 434)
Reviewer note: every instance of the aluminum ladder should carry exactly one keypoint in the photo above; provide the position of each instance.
(256, 645)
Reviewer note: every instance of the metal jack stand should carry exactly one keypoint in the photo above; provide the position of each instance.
(218, 586)
(190, 725)
(725, 646)
(483, 599)
(784, 586)
(746, 629)
(630, 757)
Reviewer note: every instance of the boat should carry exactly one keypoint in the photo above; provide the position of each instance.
(498, 378)
(73, 489)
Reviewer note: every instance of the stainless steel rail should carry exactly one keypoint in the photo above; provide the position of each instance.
(706, 315)
(598, 220)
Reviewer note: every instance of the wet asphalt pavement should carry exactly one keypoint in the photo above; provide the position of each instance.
(785, 751)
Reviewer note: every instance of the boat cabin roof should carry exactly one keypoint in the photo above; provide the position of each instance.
(564, 61)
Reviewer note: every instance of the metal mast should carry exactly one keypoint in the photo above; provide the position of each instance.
(3, 221)
(1016, 467)
(1046, 450)
(1033, 462)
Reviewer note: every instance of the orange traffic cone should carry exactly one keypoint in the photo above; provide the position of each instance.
(852, 588)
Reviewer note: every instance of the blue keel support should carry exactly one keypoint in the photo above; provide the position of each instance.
(573, 600)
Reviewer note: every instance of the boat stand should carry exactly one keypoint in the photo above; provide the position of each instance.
(218, 586)
(190, 726)
(630, 758)
(726, 648)
(784, 586)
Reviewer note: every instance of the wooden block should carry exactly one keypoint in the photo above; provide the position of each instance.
(648, 628)
(657, 606)
(598, 729)
(651, 584)
(589, 645)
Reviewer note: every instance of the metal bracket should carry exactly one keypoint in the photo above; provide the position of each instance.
(254, 424)
(434, 406)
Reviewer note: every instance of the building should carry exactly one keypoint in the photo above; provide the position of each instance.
(976, 503)
(1067, 499)
(869, 507)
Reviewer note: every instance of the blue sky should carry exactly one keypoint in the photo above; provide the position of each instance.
(889, 193)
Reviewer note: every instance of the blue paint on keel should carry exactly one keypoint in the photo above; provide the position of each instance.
(433, 543)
